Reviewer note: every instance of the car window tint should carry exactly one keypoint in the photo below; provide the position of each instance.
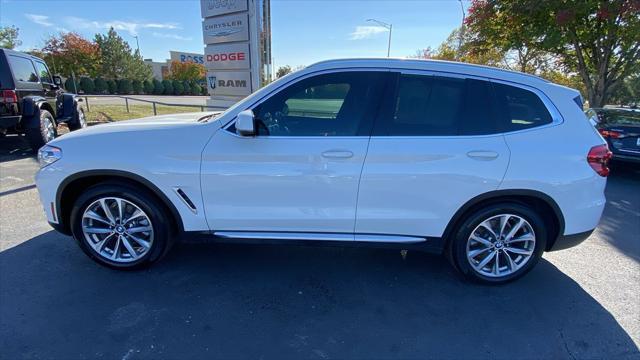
(521, 109)
(427, 106)
(43, 72)
(22, 69)
(478, 117)
(334, 104)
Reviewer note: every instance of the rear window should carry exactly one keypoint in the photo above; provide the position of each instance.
(520, 108)
(22, 69)
(620, 117)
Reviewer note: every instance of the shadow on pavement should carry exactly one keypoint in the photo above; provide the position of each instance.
(14, 147)
(248, 301)
(620, 223)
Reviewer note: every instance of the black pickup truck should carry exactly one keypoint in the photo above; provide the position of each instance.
(33, 101)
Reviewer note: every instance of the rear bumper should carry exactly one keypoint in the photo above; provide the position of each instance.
(567, 241)
(626, 158)
(9, 121)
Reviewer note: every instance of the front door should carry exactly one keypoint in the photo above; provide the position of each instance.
(300, 173)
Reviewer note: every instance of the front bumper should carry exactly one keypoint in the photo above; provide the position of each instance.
(568, 241)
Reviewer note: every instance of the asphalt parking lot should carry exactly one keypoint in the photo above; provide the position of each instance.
(245, 301)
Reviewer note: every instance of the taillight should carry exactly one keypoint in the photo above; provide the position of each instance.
(598, 158)
(9, 96)
(610, 133)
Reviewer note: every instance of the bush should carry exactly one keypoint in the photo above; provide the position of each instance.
(158, 87)
(195, 88)
(70, 86)
(178, 88)
(147, 87)
(187, 87)
(100, 85)
(87, 85)
(112, 87)
(168, 87)
(204, 90)
(125, 87)
(137, 86)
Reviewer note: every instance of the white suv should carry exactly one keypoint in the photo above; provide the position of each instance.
(487, 166)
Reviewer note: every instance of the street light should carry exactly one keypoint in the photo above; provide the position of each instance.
(461, 32)
(388, 27)
(137, 44)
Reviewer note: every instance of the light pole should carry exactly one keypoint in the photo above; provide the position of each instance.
(137, 44)
(388, 27)
(461, 31)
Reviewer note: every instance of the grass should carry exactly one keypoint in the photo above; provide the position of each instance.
(108, 113)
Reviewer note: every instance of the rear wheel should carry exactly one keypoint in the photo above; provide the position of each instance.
(121, 226)
(38, 136)
(499, 243)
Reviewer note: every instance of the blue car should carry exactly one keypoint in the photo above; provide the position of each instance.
(621, 129)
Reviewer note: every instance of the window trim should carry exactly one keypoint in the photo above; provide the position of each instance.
(556, 117)
(256, 103)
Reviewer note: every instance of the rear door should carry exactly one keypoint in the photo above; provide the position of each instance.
(436, 146)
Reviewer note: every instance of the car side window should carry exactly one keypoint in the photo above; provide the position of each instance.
(440, 106)
(336, 104)
(23, 69)
(43, 72)
(520, 108)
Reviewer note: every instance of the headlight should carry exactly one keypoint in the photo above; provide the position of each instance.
(48, 155)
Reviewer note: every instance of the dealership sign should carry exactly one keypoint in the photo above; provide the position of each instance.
(227, 28)
(186, 57)
(220, 7)
(234, 83)
(227, 57)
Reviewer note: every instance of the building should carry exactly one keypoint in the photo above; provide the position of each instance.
(161, 69)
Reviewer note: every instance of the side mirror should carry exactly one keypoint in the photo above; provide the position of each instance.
(245, 123)
(57, 80)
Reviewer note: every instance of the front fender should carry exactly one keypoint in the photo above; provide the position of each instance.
(67, 106)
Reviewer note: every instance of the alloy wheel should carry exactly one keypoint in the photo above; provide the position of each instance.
(49, 129)
(501, 245)
(117, 229)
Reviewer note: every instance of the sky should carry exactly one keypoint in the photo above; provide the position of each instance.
(303, 31)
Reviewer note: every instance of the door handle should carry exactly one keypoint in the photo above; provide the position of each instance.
(337, 154)
(483, 155)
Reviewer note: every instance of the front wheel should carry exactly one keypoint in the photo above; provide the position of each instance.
(45, 132)
(79, 121)
(120, 226)
(499, 243)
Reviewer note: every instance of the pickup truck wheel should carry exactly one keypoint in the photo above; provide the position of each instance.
(120, 226)
(79, 120)
(38, 136)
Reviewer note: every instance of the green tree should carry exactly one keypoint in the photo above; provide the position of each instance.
(125, 87)
(186, 71)
(148, 87)
(137, 86)
(87, 85)
(597, 39)
(629, 92)
(112, 87)
(168, 87)
(9, 37)
(101, 86)
(178, 88)
(283, 70)
(117, 59)
(195, 88)
(158, 87)
(72, 85)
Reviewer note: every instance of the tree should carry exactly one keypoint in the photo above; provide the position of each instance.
(112, 87)
(9, 37)
(117, 59)
(158, 87)
(629, 92)
(137, 86)
(87, 85)
(70, 53)
(597, 39)
(283, 70)
(458, 47)
(168, 87)
(148, 87)
(178, 88)
(100, 85)
(195, 88)
(124, 86)
(186, 71)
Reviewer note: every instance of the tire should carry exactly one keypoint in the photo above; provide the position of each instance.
(159, 239)
(79, 120)
(524, 253)
(45, 132)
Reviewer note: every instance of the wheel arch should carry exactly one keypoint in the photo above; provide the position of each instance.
(31, 106)
(546, 207)
(71, 187)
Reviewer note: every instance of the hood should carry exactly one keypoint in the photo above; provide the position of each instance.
(145, 124)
